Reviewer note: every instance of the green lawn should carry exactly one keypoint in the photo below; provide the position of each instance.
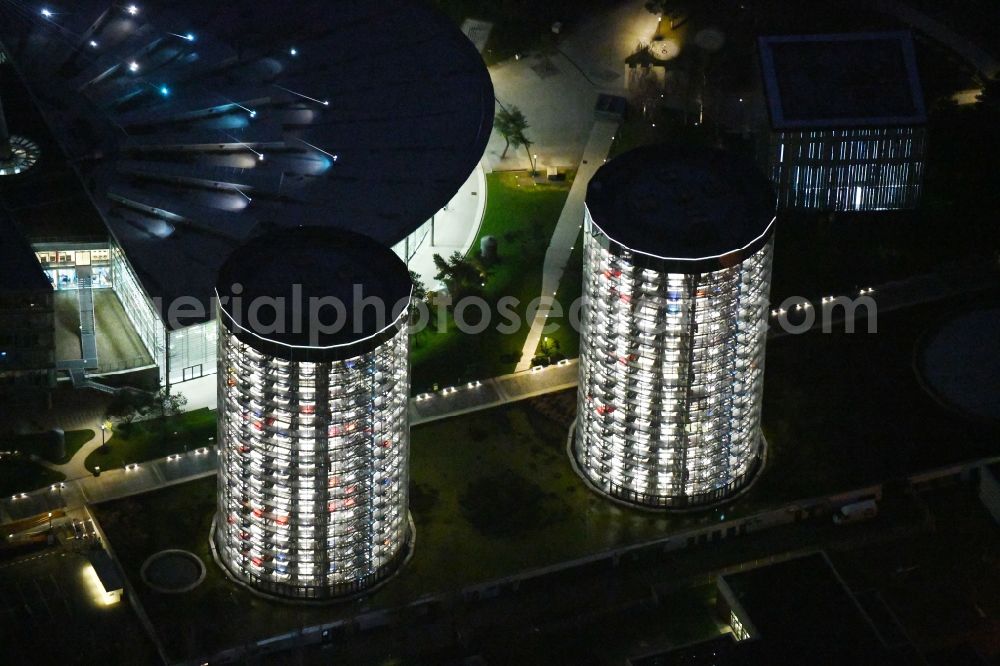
(155, 438)
(43, 444)
(521, 215)
(20, 475)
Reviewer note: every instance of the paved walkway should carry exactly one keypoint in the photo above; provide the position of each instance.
(558, 103)
(557, 91)
(83, 488)
(567, 231)
(599, 44)
(75, 468)
(475, 396)
(901, 294)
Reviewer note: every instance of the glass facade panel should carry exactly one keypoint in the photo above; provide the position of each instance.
(192, 351)
(407, 248)
(849, 170)
(671, 376)
(139, 308)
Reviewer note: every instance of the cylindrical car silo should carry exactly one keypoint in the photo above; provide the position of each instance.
(677, 269)
(313, 384)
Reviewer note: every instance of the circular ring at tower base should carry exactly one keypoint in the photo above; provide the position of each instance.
(24, 154)
(746, 482)
(956, 364)
(387, 573)
(157, 571)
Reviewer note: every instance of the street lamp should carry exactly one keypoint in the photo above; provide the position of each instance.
(104, 432)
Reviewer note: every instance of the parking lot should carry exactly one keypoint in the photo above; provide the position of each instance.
(53, 610)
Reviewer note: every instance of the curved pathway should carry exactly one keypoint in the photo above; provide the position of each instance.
(75, 467)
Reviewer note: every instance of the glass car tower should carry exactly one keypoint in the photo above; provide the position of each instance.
(313, 386)
(677, 269)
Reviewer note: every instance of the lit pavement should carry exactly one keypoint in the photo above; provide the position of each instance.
(153, 474)
(452, 401)
(557, 91)
(55, 610)
(566, 232)
(111, 484)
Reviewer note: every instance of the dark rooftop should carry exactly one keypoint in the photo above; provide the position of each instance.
(48, 201)
(107, 571)
(19, 268)
(841, 80)
(682, 202)
(373, 123)
(298, 265)
(805, 614)
(801, 613)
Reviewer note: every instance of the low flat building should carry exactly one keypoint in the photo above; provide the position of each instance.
(104, 580)
(847, 120)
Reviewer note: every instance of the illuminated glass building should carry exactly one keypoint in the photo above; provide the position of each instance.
(677, 268)
(847, 121)
(313, 425)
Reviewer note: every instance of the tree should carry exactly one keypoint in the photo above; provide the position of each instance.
(419, 288)
(462, 276)
(124, 408)
(167, 404)
(511, 124)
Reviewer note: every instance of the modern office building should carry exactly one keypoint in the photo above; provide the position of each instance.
(677, 268)
(194, 125)
(846, 121)
(313, 426)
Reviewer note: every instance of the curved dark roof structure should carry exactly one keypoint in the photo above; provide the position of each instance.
(689, 208)
(313, 293)
(194, 123)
